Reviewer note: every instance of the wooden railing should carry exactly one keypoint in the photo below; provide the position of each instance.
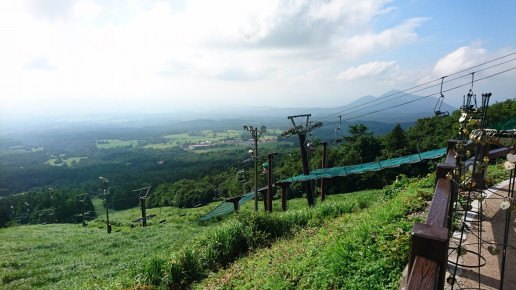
(430, 241)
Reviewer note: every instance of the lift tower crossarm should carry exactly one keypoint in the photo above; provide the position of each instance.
(301, 131)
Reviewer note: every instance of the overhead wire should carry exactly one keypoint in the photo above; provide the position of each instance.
(418, 99)
(406, 91)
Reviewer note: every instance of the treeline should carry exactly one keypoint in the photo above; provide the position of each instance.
(359, 145)
(51, 206)
(188, 179)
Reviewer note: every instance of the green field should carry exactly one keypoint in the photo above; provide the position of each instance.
(177, 140)
(68, 256)
(64, 256)
(356, 240)
(68, 161)
(113, 143)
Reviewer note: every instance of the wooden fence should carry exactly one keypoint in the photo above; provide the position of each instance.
(430, 241)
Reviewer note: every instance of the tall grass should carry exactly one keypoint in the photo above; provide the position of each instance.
(234, 238)
(365, 249)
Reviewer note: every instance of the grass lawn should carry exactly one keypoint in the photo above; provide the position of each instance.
(113, 143)
(68, 256)
(67, 161)
(64, 256)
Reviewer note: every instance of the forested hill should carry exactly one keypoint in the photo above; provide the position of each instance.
(187, 167)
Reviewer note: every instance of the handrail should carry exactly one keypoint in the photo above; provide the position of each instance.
(430, 241)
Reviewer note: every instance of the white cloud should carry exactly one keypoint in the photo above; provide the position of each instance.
(157, 52)
(86, 10)
(368, 70)
(462, 58)
(40, 63)
(388, 39)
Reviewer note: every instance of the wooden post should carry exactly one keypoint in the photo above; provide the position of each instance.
(105, 181)
(269, 181)
(255, 138)
(306, 169)
(430, 240)
(144, 214)
(264, 195)
(235, 201)
(83, 223)
(283, 196)
(323, 165)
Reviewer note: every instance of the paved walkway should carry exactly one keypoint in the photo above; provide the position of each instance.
(492, 234)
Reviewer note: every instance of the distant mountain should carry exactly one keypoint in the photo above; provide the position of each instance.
(392, 107)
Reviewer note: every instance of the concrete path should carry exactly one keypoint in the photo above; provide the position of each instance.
(484, 245)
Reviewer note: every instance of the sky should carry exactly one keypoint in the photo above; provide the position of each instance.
(87, 56)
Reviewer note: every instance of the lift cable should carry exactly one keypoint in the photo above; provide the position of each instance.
(418, 99)
(424, 97)
(406, 91)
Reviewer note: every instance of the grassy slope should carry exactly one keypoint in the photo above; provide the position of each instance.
(59, 256)
(367, 249)
(358, 249)
(361, 250)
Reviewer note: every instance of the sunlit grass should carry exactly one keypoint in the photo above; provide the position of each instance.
(68, 161)
(64, 256)
(113, 143)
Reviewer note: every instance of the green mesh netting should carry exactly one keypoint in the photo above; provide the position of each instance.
(227, 207)
(371, 166)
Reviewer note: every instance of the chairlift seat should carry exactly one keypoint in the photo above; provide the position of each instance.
(442, 114)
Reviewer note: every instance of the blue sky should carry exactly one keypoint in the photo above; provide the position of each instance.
(87, 56)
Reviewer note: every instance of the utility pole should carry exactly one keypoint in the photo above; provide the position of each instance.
(82, 201)
(143, 193)
(53, 205)
(269, 181)
(323, 165)
(301, 130)
(105, 181)
(28, 212)
(256, 134)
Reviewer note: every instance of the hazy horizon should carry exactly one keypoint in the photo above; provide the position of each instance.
(110, 58)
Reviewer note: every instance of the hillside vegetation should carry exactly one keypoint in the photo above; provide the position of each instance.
(357, 239)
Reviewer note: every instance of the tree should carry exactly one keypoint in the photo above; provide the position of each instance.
(395, 143)
(357, 131)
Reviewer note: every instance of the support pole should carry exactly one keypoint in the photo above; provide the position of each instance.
(53, 203)
(255, 137)
(306, 169)
(255, 133)
(144, 214)
(83, 224)
(323, 165)
(269, 181)
(264, 196)
(105, 181)
(283, 196)
(301, 130)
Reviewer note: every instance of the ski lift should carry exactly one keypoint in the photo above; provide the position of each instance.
(310, 145)
(437, 107)
(265, 168)
(339, 129)
(467, 105)
(197, 203)
(240, 175)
